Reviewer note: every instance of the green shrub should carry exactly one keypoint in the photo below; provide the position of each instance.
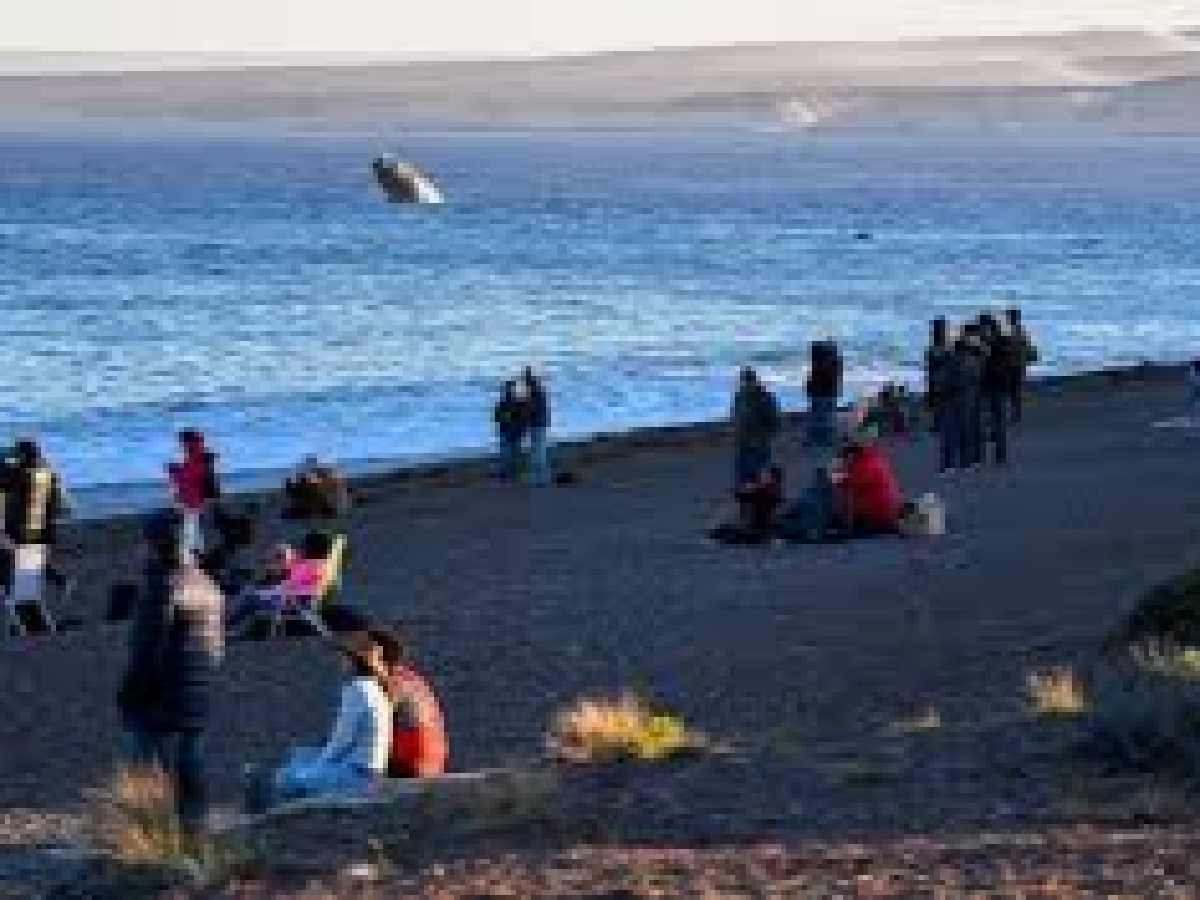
(1168, 612)
(1145, 719)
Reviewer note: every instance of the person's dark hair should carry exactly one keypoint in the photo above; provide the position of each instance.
(190, 436)
(360, 666)
(938, 331)
(27, 452)
(316, 545)
(1014, 314)
(394, 651)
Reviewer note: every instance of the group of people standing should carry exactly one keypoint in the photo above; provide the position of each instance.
(975, 384)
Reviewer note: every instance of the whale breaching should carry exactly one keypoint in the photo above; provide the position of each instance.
(405, 183)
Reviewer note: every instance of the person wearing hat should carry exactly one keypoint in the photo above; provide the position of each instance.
(176, 643)
(356, 754)
(869, 499)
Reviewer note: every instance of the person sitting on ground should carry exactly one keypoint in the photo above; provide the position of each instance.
(356, 755)
(419, 746)
(315, 492)
(758, 502)
(868, 496)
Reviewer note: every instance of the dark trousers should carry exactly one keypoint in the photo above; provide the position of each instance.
(955, 431)
(1016, 398)
(822, 422)
(995, 424)
(749, 460)
(180, 754)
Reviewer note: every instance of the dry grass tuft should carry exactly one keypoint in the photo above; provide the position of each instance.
(1056, 692)
(135, 822)
(606, 730)
(927, 719)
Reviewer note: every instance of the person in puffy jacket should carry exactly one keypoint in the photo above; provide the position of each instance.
(869, 499)
(176, 643)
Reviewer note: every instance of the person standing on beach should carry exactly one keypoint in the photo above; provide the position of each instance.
(33, 502)
(1024, 354)
(510, 416)
(936, 357)
(194, 487)
(176, 643)
(959, 383)
(824, 387)
(756, 424)
(537, 421)
(996, 386)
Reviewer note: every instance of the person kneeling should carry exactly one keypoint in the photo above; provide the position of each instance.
(868, 496)
(355, 757)
(758, 501)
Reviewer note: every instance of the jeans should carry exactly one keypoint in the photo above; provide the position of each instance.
(512, 456)
(305, 775)
(180, 754)
(821, 414)
(539, 457)
(749, 460)
(955, 434)
(995, 423)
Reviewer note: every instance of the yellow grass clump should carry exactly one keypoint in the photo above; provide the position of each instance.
(605, 730)
(135, 821)
(1056, 692)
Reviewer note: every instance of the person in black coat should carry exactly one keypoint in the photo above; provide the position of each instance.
(823, 387)
(175, 647)
(33, 502)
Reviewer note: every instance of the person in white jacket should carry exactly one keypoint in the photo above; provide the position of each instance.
(356, 754)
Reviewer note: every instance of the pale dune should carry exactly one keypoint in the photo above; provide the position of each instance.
(1130, 81)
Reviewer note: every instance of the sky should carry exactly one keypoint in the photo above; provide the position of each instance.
(486, 27)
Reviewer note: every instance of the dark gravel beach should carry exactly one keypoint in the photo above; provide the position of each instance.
(519, 601)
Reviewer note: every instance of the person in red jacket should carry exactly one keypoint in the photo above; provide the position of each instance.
(419, 745)
(869, 498)
(194, 486)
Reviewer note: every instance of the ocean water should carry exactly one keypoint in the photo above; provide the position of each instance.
(256, 285)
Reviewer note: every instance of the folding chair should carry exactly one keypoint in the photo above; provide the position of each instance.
(307, 607)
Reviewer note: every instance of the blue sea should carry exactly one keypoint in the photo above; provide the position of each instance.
(256, 285)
